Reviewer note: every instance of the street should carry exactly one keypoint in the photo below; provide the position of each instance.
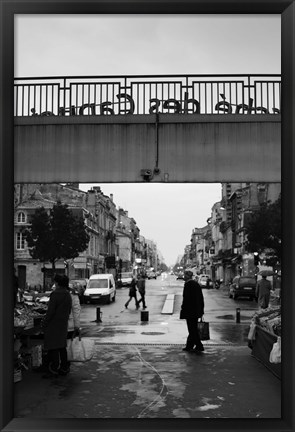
(140, 371)
(220, 311)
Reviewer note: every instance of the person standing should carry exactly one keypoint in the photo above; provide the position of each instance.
(73, 323)
(55, 326)
(74, 318)
(132, 293)
(192, 309)
(263, 288)
(141, 290)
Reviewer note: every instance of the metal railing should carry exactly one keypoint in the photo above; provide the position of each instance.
(138, 94)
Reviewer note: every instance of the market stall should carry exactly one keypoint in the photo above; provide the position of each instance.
(265, 338)
(28, 335)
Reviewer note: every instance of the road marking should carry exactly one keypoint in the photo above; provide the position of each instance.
(168, 305)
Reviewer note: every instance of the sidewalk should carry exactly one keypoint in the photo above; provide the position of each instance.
(154, 380)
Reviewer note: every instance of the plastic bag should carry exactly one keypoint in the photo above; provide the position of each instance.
(252, 331)
(275, 354)
(80, 350)
(203, 328)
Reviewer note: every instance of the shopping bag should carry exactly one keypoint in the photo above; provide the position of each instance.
(252, 331)
(203, 328)
(80, 350)
(275, 354)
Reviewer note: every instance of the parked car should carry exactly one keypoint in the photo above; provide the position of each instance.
(151, 274)
(80, 281)
(125, 279)
(100, 287)
(180, 276)
(80, 286)
(243, 286)
(205, 281)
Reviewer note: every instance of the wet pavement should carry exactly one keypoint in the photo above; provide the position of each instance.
(140, 371)
(167, 331)
(154, 381)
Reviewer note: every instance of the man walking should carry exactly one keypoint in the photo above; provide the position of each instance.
(263, 288)
(132, 293)
(141, 290)
(192, 308)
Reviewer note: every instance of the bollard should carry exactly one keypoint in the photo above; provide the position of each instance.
(98, 315)
(144, 315)
(238, 315)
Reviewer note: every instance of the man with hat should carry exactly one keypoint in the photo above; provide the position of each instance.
(192, 309)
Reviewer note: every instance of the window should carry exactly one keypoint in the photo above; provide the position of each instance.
(20, 241)
(98, 283)
(21, 217)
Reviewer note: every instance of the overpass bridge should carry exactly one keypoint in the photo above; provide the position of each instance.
(172, 128)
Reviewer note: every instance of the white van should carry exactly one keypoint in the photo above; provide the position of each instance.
(100, 287)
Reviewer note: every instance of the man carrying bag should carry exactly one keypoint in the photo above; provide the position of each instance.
(192, 309)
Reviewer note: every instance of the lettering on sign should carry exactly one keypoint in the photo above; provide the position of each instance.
(158, 106)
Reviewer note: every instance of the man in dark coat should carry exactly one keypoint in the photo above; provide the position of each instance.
(132, 293)
(55, 327)
(263, 288)
(141, 290)
(192, 308)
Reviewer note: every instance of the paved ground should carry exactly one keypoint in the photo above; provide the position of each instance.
(148, 379)
(140, 371)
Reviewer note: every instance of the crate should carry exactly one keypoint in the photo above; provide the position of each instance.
(29, 324)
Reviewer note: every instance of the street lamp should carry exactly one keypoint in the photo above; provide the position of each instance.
(256, 258)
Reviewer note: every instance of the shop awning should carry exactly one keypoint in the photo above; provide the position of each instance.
(57, 265)
(80, 265)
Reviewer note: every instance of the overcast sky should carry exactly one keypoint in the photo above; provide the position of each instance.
(54, 45)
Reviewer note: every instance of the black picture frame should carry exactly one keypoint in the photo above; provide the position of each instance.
(8, 9)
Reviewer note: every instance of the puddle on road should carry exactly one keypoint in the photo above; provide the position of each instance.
(232, 317)
(226, 317)
(152, 333)
(232, 334)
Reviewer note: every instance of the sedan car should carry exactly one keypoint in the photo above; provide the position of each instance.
(243, 286)
(151, 274)
(125, 279)
(205, 281)
(80, 281)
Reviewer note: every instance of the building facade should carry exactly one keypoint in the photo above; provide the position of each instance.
(220, 248)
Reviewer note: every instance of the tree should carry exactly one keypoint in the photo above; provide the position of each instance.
(264, 231)
(163, 267)
(57, 235)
